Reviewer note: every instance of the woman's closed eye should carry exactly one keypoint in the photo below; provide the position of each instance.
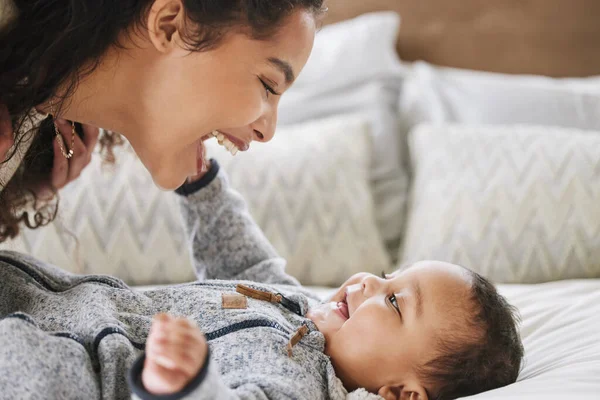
(268, 88)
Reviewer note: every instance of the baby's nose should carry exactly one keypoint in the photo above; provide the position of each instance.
(371, 285)
(351, 289)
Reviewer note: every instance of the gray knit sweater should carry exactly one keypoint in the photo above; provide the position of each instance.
(67, 336)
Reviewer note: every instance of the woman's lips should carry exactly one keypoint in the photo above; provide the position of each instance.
(240, 144)
(201, 164)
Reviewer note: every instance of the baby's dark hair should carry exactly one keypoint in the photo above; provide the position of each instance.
(483, 355)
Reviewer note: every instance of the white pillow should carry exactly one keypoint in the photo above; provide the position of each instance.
(438, 95)
(309, 191)
(307, 188)
(517, 204)
(354, 68)
(350, 52)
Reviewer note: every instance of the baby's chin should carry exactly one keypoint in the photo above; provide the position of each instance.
(327, 318)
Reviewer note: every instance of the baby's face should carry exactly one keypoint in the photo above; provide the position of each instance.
(378, 330)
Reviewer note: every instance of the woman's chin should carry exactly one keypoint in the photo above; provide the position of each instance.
(168, 179)
(170, 186)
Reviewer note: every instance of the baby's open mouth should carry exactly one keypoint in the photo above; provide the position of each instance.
(343, 308)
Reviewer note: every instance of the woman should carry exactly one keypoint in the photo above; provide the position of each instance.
(167, 74)
(164, 73)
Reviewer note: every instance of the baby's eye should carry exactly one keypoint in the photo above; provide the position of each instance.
(394, 302)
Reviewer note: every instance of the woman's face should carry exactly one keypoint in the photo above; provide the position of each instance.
(234, 89)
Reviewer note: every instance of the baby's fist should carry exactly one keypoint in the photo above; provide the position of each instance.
(175, 353)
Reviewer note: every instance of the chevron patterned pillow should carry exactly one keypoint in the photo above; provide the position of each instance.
(308, 189)
(518, 204)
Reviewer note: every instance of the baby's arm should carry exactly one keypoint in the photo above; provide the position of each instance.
(177, 363)
(226, 242)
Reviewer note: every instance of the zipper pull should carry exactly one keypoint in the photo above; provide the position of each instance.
(300, 333)
(258, 294)
(290, 305)
(270, 297)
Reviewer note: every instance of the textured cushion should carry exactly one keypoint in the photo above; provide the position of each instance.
(308, 189)
(438, 95)
(353, 69)
(517, 204)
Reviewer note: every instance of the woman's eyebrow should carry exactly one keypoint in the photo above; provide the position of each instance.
(285, 68)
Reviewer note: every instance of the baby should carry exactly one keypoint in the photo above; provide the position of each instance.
(430, 331)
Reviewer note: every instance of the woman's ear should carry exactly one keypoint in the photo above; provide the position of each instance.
(165, 21)
(402, 393)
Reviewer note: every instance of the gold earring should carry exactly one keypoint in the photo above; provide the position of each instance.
(59, 138)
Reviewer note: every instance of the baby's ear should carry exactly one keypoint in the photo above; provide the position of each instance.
(402, 393)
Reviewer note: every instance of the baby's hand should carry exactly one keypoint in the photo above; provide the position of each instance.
(175, 353)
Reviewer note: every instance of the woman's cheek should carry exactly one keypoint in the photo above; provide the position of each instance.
(247, 108)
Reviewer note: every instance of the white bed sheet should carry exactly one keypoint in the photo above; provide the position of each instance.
(561, 335)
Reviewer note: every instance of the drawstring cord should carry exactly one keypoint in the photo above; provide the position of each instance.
(276, 298)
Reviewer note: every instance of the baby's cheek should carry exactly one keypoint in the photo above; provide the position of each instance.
(369, 327)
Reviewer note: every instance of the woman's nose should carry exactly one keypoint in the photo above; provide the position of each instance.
(264, 127)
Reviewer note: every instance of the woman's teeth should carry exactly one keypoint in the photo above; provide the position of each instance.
(223, 141)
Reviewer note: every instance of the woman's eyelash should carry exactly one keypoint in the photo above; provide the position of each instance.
(268, 88)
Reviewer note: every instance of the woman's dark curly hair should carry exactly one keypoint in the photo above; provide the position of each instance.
(53, 44)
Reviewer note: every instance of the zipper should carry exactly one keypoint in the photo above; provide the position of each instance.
(238, 326)
(262, 323)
